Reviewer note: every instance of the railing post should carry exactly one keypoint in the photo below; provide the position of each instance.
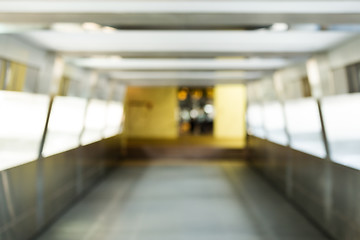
(289, 162)
(327, 181)
(40, 172)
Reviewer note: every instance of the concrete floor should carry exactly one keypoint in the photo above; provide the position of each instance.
(183, 202)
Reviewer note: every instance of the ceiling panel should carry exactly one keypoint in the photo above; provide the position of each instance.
(187, 41)
(186, 75)
(183, 64)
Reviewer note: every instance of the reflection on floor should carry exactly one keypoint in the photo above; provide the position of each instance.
(189, 147)
(191, 140)
(183, 202)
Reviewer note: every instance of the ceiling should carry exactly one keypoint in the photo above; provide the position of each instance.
(178, 13)
(180, 42)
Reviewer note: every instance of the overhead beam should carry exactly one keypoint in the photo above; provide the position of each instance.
(187, 41)
(182, 64)
(238, 7)
(181, 82)
(188, 75)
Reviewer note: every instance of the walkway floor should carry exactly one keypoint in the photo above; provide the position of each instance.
(183, 202)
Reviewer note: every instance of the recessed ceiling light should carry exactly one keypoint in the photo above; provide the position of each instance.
(90, 26)
(279, 27)
(67, 27)
(107, 29)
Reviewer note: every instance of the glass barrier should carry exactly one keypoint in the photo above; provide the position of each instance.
(114, 114)
(95, 121)
(255, 120)
(304, 126)
(274, 122)
(22, 123)
(342, 124)
(65, 125)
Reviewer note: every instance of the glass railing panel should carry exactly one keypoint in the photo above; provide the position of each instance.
(255, 117)
(274, 122)
(114, 115)
(65, 125)
(304, 126)
(95, 121)
(22, 123)
(342, 124)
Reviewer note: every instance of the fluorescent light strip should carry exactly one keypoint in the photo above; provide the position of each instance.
(223, 75)
(269, 7)
(187, 82)
(248, 64)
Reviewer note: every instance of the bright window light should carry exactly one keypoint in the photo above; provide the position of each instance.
(114, 115)
(65, 125)
(255, 118)
(22, 124)
(95, 121)
(303, 122)
(341, 119)
(274, 122)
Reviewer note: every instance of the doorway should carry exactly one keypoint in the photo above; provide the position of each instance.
(196, 110)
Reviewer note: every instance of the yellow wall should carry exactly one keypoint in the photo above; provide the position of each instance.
(230, 106)
(2, 73)
(151, 112)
